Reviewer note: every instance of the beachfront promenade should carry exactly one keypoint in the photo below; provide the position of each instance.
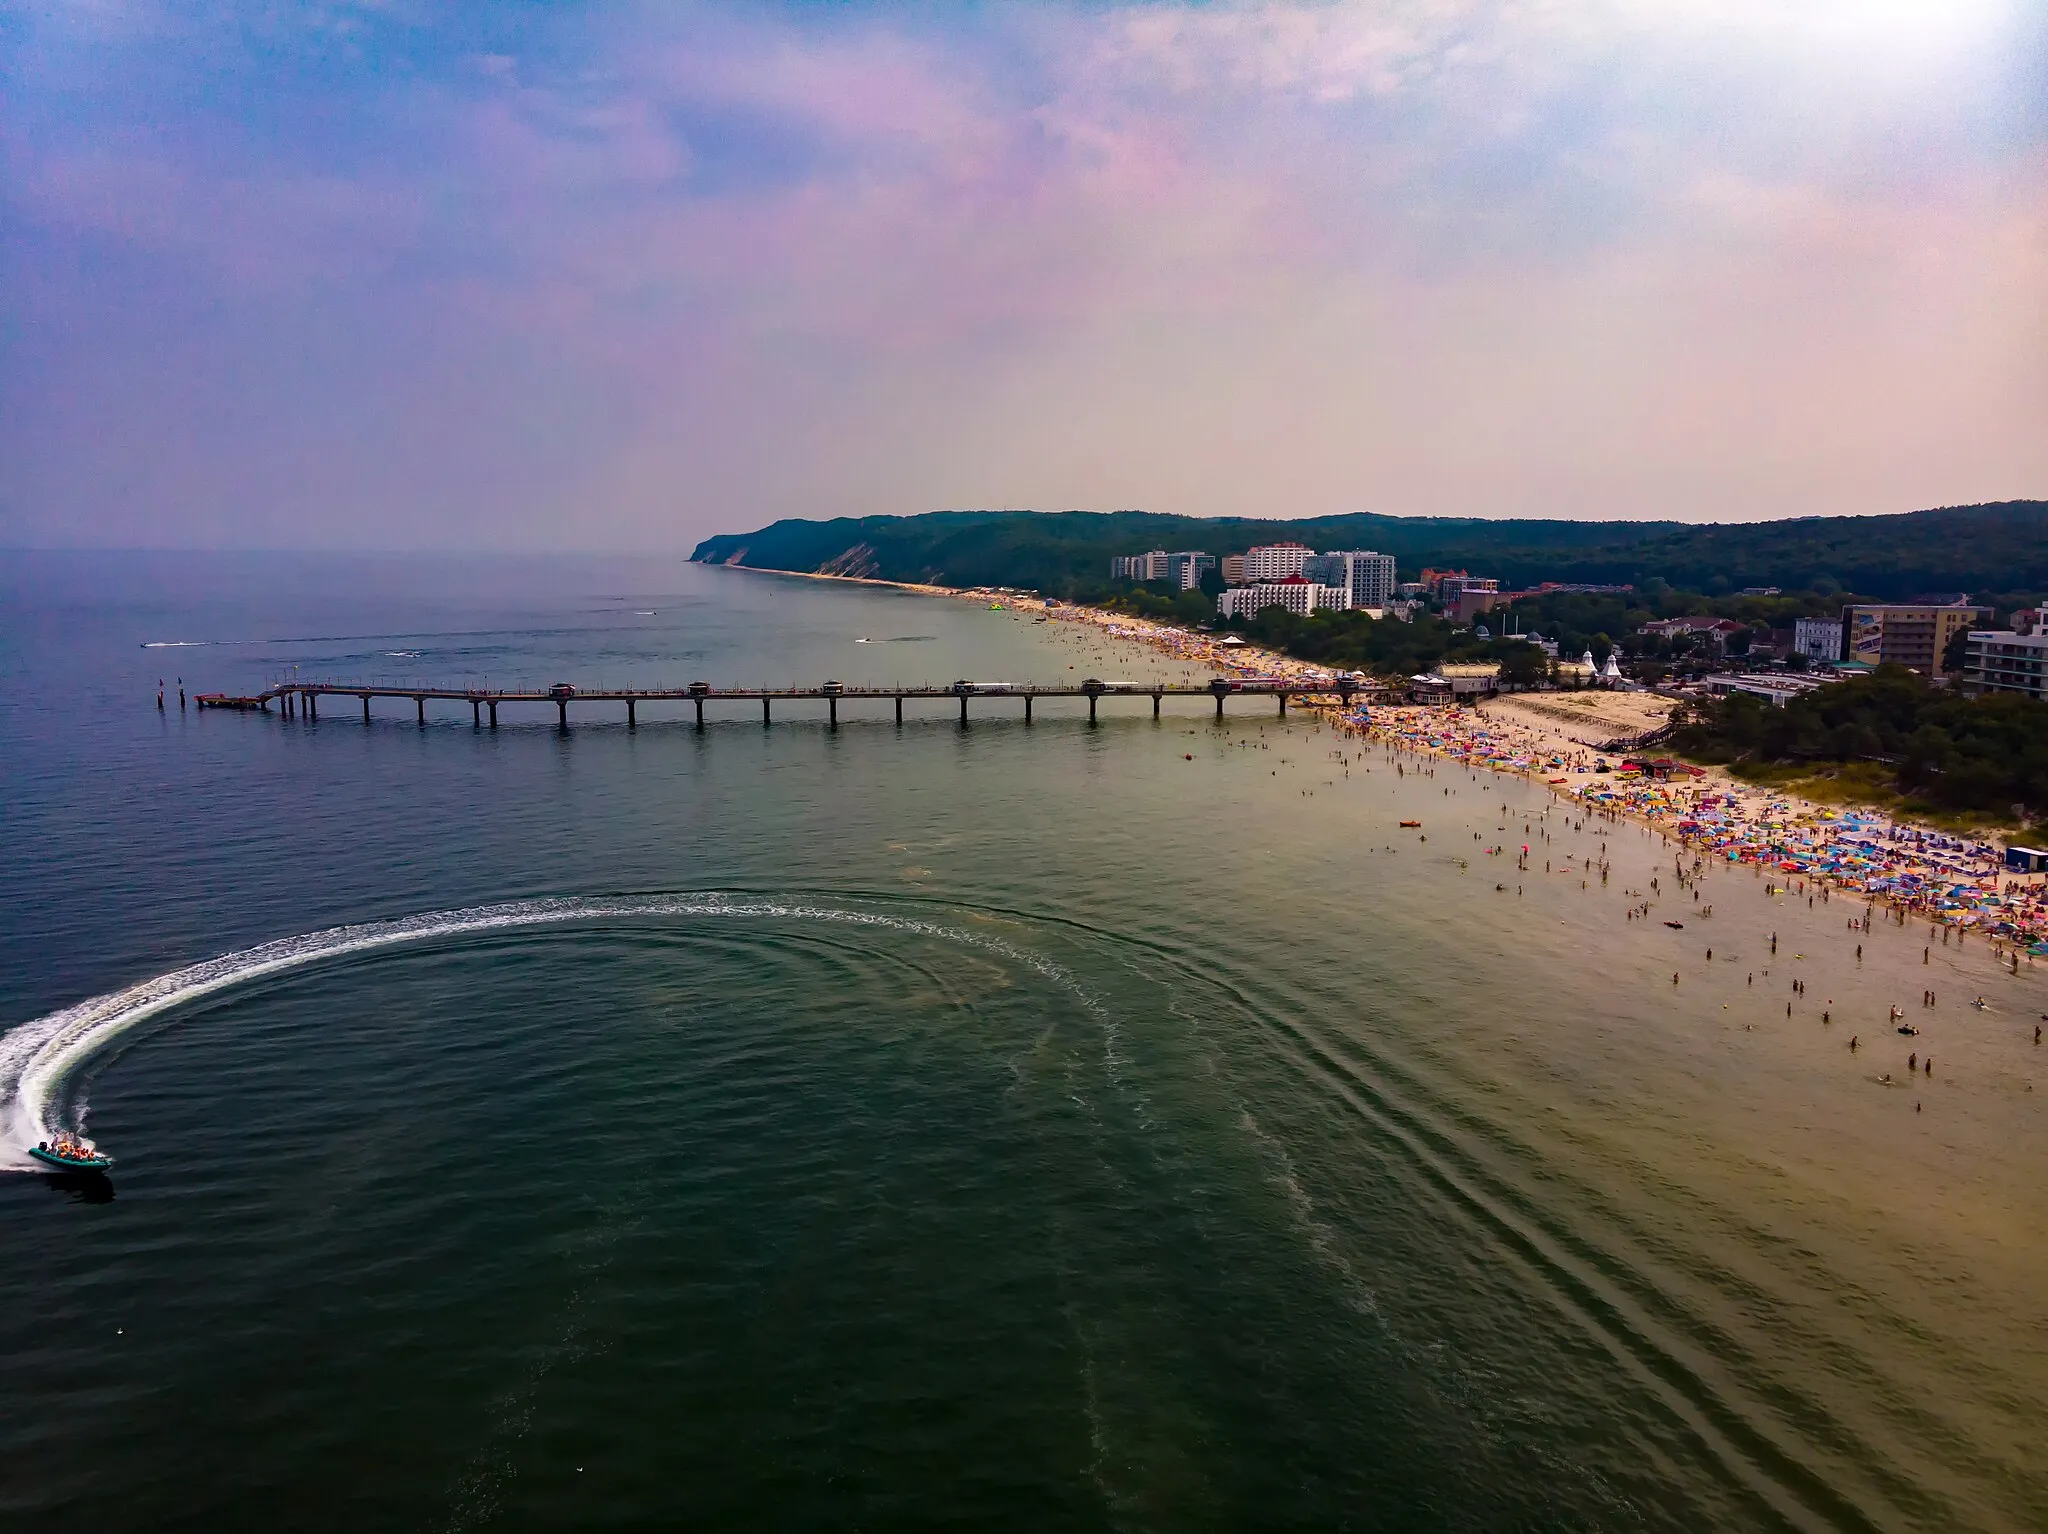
(292, 697)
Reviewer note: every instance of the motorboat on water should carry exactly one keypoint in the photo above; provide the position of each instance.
(67, 1152)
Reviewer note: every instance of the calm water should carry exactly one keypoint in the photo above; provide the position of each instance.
(1126, 1128)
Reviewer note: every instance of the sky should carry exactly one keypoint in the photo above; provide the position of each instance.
(400, 274)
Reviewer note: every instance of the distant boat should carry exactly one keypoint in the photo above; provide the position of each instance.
(68, 1153)
(1411, 822)
(1676, 926)
(863, 640)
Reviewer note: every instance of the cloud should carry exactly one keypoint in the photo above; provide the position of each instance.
(642, 272)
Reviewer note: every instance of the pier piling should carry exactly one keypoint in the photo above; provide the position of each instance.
(366, 708)
(963, 709)
(832, 706)
(700, 712)
(1027, 708)
(562, 709)
(476, 713)
(899, 708)
(1155, 705)
(493, 706)
(422, 702)
(631, 722)
(764, 712)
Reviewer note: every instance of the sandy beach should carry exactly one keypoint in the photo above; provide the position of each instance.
(1911, 871)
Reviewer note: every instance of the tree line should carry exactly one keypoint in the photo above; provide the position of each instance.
(1996, 550)
(1985, 753)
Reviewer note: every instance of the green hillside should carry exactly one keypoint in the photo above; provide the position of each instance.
(2000, 548)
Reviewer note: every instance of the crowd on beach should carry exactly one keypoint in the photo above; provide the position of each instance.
(1913, 871)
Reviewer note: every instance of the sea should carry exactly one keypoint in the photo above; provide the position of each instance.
(1126, 1126)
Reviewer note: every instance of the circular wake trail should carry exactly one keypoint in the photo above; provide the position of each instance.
(38, 1058)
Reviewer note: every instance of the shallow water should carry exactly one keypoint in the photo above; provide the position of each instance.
(1126, 1127)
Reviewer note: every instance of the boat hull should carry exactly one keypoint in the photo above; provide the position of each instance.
(65, 1164)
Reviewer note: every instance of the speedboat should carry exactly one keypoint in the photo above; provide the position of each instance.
(69, 1153)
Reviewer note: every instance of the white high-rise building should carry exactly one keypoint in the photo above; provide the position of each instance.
(1139, 567)
(1369, 577)
(1183, 569)
(1818, 638)
(2003, 662)
(1274, 561)
(1297, 596)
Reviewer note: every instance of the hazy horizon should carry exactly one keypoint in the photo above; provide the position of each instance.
(529, 552)
(371, 278)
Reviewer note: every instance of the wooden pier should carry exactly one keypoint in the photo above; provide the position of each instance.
(296, 699)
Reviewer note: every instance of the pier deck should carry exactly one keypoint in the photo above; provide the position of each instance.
(291, 697)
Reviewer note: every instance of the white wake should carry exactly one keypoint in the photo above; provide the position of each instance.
(37, 1058)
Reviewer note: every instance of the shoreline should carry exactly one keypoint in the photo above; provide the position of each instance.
(1914, 871)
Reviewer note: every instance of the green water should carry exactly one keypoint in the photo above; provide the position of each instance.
(1035, 1127)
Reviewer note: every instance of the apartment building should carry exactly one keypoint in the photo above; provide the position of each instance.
(1905, 634)
(1296, 595)
(1996, 661)
(1139, 567)
(1818, 639)
(1367, 575)
(1274, 561)
(1182, 570)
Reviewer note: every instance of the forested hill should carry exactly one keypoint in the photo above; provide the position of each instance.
(1998, 548)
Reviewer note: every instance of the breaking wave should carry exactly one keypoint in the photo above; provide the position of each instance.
(38, 1058)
